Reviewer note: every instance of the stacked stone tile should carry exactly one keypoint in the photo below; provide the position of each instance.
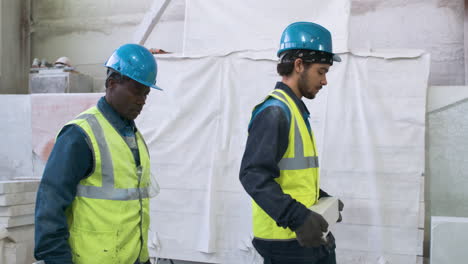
(17, 201)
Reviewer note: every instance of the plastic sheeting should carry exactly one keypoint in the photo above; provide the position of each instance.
(369, 122)
(209, 24)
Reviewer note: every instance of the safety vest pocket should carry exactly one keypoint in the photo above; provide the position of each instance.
(93, 247)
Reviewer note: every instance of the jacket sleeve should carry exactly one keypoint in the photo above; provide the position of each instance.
(266, 144)
(70, 161)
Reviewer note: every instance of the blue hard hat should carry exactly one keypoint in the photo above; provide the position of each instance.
(307, 36)
(135, 62)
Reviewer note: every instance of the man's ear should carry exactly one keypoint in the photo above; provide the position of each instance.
(111, 84)
(298, 65)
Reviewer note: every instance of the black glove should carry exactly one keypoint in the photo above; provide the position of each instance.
(340, 208)
(310, 233)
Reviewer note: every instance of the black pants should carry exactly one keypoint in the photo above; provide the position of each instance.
(329, 259)
(147, 262)
(290, 252)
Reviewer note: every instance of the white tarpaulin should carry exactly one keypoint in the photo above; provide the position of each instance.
(369, 122)
(223, 26)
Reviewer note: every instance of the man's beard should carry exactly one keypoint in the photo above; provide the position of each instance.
(302, 86)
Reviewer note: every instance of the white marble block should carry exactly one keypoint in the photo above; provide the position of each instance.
(16, 210)
(449, 237)
(15, 253)
(18, 186)
(17, 245)
(328, 208)
(12, 221)
(17, 198)
(23, 233)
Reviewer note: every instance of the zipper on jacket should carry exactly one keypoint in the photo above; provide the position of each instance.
(139, 173)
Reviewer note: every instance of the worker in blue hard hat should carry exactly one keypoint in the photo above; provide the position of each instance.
(280, 168)
(93, 201)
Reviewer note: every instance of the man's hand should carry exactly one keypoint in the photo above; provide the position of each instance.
(340, 208)
(310, 233)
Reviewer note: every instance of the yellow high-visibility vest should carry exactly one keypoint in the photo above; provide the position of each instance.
(299, 173)
(109, 217)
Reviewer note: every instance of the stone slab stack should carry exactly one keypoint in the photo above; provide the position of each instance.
(17, 202)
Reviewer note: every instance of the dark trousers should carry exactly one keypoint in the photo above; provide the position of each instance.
(330, 259)
(147, 262)
(290, 252)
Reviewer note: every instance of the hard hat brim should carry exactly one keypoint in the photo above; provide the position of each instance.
(336, 58)
(149, 84)
(156, 87)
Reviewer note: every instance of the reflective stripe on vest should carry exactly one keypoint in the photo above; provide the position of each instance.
(107, 191)
(299, 162)
(108, 220)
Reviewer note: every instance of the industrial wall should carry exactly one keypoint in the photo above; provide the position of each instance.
(446, 155)
(433, 25)
(88, 31)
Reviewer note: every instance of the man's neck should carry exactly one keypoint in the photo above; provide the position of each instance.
(113, 108)
(292, 83)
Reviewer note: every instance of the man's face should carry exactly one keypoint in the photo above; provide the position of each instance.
(312, 79)
(127, 97)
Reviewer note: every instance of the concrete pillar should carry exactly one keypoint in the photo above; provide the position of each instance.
(14, 46)
(466, 41)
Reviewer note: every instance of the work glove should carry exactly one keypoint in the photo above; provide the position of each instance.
(340, 209)
(310, 233)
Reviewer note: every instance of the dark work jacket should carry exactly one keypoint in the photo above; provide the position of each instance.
(70, 161)
(266, 144)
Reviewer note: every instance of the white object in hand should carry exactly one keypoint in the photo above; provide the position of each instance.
(328, 208)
